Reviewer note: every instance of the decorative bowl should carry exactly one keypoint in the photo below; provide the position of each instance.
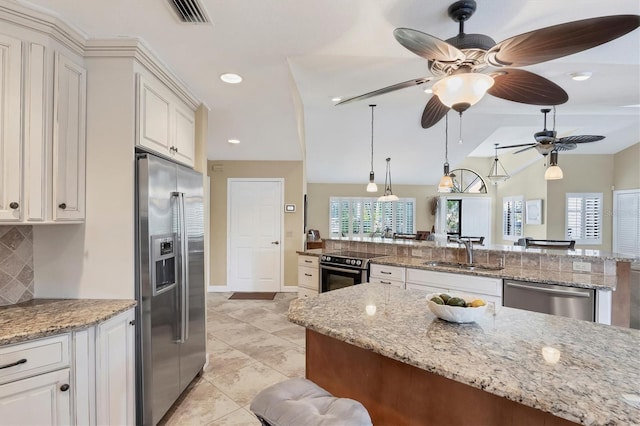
(456, 314)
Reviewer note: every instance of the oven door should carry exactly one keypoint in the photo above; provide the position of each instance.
(335, 277)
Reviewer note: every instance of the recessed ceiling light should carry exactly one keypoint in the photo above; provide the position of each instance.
(428, 90)
(234, 141)
(231, 78)
(631, 106)
(336, 99)
(581, 76)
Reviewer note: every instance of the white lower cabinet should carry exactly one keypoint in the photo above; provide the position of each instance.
(308, 276)
(41, 400)
(85, 378)
(390, 275)
(489, 289)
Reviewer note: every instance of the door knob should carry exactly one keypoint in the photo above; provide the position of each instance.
(64, 387)
(62, 206)
(14, 205)
(275, 242)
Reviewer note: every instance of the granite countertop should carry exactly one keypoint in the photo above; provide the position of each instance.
(46, 317)
(572, 279)
(596, 380)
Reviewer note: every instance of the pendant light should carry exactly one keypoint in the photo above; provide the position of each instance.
(446, 183)
(372, 187)
(554, 172)
(388, 194)
(495, 175)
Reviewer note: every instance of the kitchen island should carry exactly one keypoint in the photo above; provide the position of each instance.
(515, 367)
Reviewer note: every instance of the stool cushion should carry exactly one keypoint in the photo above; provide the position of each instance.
(296, 402)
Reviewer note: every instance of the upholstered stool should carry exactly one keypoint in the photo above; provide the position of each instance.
(297, 402)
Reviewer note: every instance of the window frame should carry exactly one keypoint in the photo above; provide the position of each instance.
(584, 196)
(377, 209)
(513, 218)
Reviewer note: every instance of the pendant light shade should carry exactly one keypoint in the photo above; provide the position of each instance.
(388, 193)
(554, 172)
(446, 183)
(497, 173)
(460, 91)
(371, 186)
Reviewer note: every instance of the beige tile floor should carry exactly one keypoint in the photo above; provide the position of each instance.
(251, 345)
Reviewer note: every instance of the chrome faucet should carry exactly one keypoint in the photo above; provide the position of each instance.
(468, 245)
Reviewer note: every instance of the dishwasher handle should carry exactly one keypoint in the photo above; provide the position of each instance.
(575, 293)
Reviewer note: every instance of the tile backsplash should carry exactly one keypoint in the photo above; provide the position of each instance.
(16, 264)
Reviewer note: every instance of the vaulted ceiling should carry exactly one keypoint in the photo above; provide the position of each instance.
(295, 56)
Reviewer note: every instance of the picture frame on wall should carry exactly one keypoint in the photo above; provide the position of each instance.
(533, 212)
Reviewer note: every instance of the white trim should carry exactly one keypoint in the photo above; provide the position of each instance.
(280, 210)
(217, 289)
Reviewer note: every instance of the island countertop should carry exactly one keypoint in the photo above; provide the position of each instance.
(596, 380)
(46, 317)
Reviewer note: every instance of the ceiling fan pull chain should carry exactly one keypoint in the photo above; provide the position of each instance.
(460, 130)
(554, 118)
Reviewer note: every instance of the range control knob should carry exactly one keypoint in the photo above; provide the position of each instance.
(353, 261)
(323, 257)
(359, 262)
(328, 259)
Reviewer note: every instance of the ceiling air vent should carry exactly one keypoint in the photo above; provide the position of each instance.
(190, 11)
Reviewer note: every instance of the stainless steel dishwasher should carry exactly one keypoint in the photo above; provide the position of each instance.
(569, 302)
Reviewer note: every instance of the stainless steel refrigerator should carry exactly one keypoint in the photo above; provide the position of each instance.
(170, 321)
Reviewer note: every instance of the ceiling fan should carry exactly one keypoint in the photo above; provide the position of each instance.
(546, 140)
(460, 63)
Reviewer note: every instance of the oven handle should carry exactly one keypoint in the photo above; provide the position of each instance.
(350, 271)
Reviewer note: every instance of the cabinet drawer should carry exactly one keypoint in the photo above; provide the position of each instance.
(388, 272)
(463, 283)
(427, 288)
(35, 357)
(305, 292)
(395, 283)
(308, 261)
(308, 278)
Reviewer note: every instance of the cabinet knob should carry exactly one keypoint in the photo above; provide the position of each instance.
(64, 387)
(133, 322)
(14, 205)
(62, 206)
(175, 148)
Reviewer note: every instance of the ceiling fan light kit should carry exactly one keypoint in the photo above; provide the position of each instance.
(466, 57)
(553, 172)
(496, 175)
(231, 78)
(388, 193)
(371, 186)
(581, 76)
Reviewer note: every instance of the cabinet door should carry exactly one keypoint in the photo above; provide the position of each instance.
(39, 400)
(153, 116)
(69, 139)
(184, 134)
(115, 358)
(10, 118)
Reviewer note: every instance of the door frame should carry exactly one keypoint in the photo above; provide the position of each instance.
(281, 210)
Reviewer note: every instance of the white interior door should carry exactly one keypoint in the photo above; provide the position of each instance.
(254, 229)
(476, 218)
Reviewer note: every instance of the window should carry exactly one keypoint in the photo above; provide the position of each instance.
(512, 217)
(351, 216)
(454, 217)
(584, 218)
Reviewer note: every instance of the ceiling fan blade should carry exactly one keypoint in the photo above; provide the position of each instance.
(527, 88)
(408, 83)
(560, 40)
(580, 139)
(525, 149)
(433, 112)
(516, 146)
(428, 46)
(564, 146)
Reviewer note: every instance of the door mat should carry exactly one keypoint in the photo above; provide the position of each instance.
(253, 296)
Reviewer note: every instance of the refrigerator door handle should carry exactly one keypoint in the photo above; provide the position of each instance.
(185, 272)
(183, 303)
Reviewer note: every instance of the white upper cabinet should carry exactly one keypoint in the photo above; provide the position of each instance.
(43, 132)
(69, 139)
(165, 124)
(10, 142)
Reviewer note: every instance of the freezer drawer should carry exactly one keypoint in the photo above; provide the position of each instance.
(571, 302)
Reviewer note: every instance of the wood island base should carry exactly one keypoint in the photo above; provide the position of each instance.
(396, 394)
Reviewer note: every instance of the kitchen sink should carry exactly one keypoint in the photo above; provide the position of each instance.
(465, 266)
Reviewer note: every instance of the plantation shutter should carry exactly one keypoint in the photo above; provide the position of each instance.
(365, 216)
(626, 222)
(584, 218)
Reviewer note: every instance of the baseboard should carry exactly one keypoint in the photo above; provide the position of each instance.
(217, 289)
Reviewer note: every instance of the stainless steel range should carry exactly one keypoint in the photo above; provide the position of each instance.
(344, 269)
